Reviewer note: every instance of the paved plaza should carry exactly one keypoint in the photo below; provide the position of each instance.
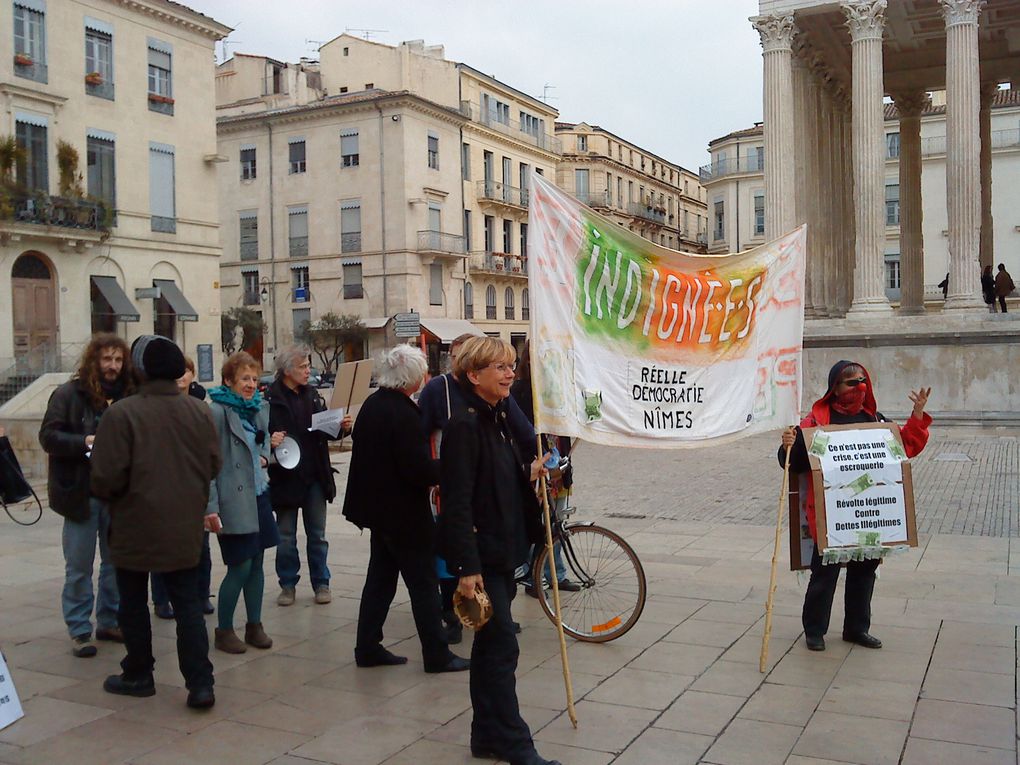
(682, 687)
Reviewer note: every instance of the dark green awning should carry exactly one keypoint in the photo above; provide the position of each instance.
(178, 303)
(120, 305)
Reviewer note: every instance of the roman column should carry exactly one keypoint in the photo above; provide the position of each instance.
(800, 179)
(963, 167)
(910, 105)
(866, 21)
(987, 249)
(776, 33)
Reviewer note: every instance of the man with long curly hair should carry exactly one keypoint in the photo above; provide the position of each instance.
(68, 429)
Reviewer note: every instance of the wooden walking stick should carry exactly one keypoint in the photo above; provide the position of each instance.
(550, 562)
(772, 577)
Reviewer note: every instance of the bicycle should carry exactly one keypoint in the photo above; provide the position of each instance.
(612, 580)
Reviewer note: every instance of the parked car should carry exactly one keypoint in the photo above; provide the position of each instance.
(265, 380)
(327, 379)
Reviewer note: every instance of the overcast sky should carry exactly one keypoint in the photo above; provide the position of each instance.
(669, 75)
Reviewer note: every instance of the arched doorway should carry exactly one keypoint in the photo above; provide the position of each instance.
(34, 306)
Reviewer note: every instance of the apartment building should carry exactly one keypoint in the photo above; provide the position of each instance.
(655, 198)
(735, 183)
(109, 215)
(379, 180)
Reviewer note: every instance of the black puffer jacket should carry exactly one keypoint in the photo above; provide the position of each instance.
(69, 418)
(483, 484)
(288, 488)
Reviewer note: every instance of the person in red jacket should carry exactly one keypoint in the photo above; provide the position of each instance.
(848, 399)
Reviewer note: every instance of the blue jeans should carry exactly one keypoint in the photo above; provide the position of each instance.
(559, 504)
(79, 542)
(288, 563)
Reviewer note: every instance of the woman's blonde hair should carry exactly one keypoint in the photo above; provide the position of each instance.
(479, 352)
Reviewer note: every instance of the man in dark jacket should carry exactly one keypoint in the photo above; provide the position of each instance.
(154, 458)
(387, 492)
(309, 485)
(68, 429)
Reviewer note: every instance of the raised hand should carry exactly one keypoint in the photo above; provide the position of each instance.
(920, 399)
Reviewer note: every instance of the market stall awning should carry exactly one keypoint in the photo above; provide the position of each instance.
(120, 305)
(178, 303)
(446, 330)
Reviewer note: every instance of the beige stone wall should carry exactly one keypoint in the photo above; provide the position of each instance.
(133, 253)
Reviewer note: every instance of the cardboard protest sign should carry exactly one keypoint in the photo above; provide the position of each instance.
(352, 385)
(863, 491)
(634, 344)
(10, 704)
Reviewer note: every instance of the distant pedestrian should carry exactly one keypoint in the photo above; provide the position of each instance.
(988, 288)
(1003, 286)
(944, 285)
(154, 457)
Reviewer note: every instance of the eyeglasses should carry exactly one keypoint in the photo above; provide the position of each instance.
(853, 382)
(503, 368)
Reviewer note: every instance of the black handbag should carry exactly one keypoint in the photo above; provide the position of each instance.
(14, 487)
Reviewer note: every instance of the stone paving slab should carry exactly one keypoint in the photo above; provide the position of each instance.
(682, 687)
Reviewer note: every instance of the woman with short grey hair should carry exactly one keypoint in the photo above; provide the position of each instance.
(388, 492)
(399, 367)
(291, 357)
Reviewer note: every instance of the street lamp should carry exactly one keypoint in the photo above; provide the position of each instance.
(268, 295)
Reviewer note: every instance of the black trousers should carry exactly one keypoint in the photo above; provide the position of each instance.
(159, 595)
(860, 584)
(387, 560)
(1002, 303)
(497, 725)
(192, 638)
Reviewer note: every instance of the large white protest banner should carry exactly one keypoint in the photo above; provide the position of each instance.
(634, 344)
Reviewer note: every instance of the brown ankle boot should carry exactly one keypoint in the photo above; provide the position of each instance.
(228, 642)
(256, 636)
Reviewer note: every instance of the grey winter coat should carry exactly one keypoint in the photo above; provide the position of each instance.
(232, 492)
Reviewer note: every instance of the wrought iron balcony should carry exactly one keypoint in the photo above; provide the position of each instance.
(39, 214)
(440, 242)
(499, 264)
(494, 191)
(748, 163)
(647, 212)
(512, 128)
(595, 198)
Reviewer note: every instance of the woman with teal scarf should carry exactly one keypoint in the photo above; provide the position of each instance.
(239, 508)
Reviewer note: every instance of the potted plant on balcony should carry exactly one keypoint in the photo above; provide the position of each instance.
(515, 264)
(497, 260)
(94, 79)
(23, 59)
(11, 152)
(156, 98)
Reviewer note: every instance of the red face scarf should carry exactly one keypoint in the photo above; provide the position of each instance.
(850, 401)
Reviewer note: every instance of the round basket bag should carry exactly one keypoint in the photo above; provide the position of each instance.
(473, 613)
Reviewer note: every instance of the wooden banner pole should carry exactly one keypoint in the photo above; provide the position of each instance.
(763, 660)
(537, 583)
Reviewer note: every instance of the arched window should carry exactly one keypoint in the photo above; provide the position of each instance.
(511, 314)
(469, 301)
(490, 302)
(525, 305)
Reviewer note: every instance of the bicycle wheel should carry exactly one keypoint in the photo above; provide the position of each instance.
(613, 589)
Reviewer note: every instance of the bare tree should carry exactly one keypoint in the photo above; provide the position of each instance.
(331, 336)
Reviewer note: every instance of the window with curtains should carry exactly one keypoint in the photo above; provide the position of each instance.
(490, 302)
(162, 202)
(353, 288)
(30, 41)
(350, 227)
(525, 305)
(160, 77)
(297, 156)
(490, 232)
(248, 169)
(33, 168)
(250, 287)
(720, 220)
(101, 168)
(297, 231)
(436, 284)
(433, 151)
(508, 236)
(892, 204)
(892, 145)
(759, 214)
(349, 156)
(249, 236)
(469, 301)
(508, 304)
(98, 63)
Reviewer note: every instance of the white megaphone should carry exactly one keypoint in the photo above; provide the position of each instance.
(288, 453)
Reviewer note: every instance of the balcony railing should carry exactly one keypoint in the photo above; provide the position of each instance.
(350, 242)
(595, 198)
(499, 192)
(499, 263)
(647, 212)
(935, 146)
(252, 297)
(511, 128)
(102, 89)
(37, 71)
(249, 250)
(438, 241)
(297, 246)
(749, 163)
(42, 209)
